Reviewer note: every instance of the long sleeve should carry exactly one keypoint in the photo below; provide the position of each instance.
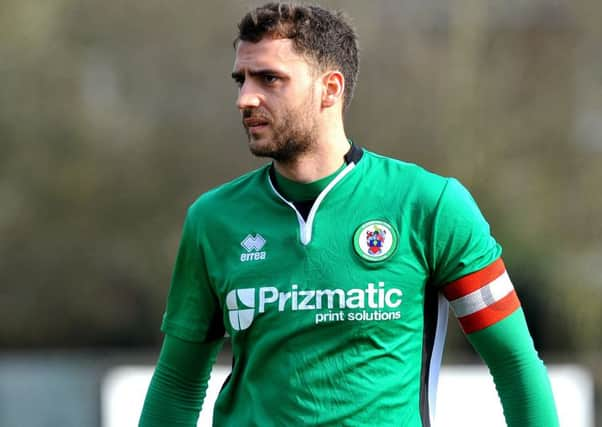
(178, 386)
(467, 262)
(519, 374)
(489, 312)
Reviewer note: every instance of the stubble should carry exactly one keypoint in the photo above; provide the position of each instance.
(292, 134)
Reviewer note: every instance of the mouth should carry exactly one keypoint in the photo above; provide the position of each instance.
(255, 124)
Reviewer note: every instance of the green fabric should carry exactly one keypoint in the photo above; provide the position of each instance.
(191, 322)
(519, 374)
(461, 242)
(322, 335)
(313, 323)
(299, 191)
(179, 383)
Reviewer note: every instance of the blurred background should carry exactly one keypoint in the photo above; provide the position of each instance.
(116, 115)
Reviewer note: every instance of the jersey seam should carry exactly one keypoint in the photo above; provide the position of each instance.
(433, 262)
(181, 331)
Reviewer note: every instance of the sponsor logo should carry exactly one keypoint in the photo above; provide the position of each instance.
(375, 241)
(241, 308)
(375, 302)
(253, 245)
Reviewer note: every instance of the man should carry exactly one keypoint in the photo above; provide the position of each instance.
(331, 268)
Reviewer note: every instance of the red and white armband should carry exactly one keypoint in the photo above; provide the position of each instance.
(482, 298)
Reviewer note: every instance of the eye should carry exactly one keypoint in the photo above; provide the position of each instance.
(270, 79)
(239, 82)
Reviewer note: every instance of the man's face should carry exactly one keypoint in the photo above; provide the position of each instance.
(278, 98)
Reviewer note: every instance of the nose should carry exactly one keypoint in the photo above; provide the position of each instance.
(247, 97)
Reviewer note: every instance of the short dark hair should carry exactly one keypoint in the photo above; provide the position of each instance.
(323, 36)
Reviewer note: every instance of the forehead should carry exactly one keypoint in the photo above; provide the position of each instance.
(267, 53)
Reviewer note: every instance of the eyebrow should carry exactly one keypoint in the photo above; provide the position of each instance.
(239, 75)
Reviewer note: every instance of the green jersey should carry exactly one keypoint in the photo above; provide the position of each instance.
(336, 318)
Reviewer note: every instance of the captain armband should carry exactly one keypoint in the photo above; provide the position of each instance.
(482, 298)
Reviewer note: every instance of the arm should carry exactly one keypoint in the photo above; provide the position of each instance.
(519, 374)
(194, 331)
(178, 386)
(489, 313)
(466, 259)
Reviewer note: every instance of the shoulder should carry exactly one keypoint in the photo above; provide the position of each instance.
(409, 179)
(224, 198)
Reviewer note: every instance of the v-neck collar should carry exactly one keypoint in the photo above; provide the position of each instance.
(353, 156)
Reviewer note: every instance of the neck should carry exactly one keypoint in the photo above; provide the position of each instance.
(325, 158)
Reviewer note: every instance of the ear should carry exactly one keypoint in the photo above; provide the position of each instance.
(333, 87)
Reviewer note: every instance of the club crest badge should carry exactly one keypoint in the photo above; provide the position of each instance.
(375, 241)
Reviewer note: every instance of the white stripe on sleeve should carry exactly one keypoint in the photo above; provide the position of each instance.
(483, 297)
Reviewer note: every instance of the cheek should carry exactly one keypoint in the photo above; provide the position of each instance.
(316, 93)
(308, 98)
(307, 89)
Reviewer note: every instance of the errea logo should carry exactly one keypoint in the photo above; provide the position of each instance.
(241, 308)
(253, 246)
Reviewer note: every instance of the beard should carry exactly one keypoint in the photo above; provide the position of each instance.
(287, 137)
